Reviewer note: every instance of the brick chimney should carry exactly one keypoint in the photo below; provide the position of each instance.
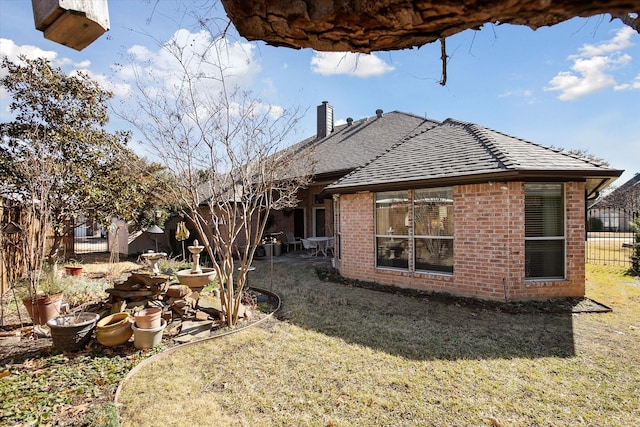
(325, 119)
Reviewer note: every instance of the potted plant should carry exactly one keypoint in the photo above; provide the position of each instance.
(73, 267)
(43, 301)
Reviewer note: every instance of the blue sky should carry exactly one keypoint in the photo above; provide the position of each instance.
(575, 85)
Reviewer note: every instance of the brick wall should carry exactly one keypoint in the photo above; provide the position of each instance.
(488, 245)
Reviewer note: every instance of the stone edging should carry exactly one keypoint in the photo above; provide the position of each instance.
(171, 350)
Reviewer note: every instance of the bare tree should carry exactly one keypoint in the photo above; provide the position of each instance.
(225, 149)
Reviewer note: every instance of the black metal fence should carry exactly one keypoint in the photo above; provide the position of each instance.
(89, 238)
(610, 236)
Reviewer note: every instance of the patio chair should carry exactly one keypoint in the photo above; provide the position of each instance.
(293, 241)
(310, 246)
(331, 245)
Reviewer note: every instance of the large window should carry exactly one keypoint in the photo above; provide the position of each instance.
(544, 231)
(433, 229)
(392, 229)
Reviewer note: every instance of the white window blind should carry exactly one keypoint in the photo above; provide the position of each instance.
(544, 231)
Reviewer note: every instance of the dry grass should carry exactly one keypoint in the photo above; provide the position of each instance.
(609, 251)
(96, 264)
(344, 356)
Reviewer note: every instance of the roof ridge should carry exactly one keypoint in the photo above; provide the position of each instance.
(401, 141)
(558, 150)
(480, 134)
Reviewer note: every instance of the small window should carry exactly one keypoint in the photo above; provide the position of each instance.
(433, 229)
(544, 218)
(392, 229)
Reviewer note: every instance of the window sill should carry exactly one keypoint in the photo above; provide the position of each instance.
(545, 282)
(433, 273)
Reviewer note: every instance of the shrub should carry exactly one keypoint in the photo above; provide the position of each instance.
(635, 253)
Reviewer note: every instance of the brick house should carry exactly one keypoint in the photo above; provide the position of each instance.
(615, 211)
(448, 207)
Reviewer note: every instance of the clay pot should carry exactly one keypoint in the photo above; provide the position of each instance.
(148, 318)
(114, 329)
(72, 270)
(148, 338)
(73, 331)
(44, 309)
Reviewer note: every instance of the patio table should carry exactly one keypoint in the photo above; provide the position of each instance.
(322, 243)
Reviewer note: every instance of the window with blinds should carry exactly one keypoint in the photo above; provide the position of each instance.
(392, 229)
(544, 218)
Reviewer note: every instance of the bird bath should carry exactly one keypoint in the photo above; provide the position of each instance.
(196, 277)
(153, 258)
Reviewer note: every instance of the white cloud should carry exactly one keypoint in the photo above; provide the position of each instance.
(356, 64)
(200, 55)
(13, 51)
(593, 68)
(525, 94)
(620, 41)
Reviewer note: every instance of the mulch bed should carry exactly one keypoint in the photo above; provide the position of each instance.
(558, 305)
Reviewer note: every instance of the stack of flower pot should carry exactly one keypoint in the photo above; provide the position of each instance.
(148, 327)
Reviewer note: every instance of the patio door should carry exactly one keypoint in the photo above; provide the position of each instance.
(319, 222)
(298, 223)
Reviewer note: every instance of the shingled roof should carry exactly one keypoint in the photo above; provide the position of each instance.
(353, 145)
(456, 152)
(622, 195)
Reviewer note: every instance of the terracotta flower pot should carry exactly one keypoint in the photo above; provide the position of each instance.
(73, 270)
(148, 318)
(148, 338)
(73, 331)
(114, 329)
(43, 308)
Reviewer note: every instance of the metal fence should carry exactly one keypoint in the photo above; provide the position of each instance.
(89, 238)
(83, 245)
(609, 236)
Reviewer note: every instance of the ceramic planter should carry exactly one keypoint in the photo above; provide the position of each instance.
(43, 308)
(73, 270)
(114, 329)
(73, 331)
(148, 318)
(148, 338)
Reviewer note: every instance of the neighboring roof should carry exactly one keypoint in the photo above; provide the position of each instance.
(455, 152)
(351, 146)
(619, 195)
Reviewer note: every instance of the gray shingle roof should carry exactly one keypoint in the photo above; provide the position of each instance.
(631, 188)
(453, 150)
(351, 146)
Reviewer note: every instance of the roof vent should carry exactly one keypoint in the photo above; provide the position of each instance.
(325, 119)
(379, 113)
(349, 121)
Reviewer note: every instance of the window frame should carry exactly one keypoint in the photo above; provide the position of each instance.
(450, 237)
(547, 238)
(397, 263)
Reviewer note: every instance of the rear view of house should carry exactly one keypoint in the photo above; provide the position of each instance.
(451, 207)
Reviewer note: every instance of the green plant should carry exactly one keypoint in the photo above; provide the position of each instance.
(50, 283)
(212, 285)
(105, 415)
(72, 262)
(81, 290)
(594, 224)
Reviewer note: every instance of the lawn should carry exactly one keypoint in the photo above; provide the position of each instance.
(346, 356)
